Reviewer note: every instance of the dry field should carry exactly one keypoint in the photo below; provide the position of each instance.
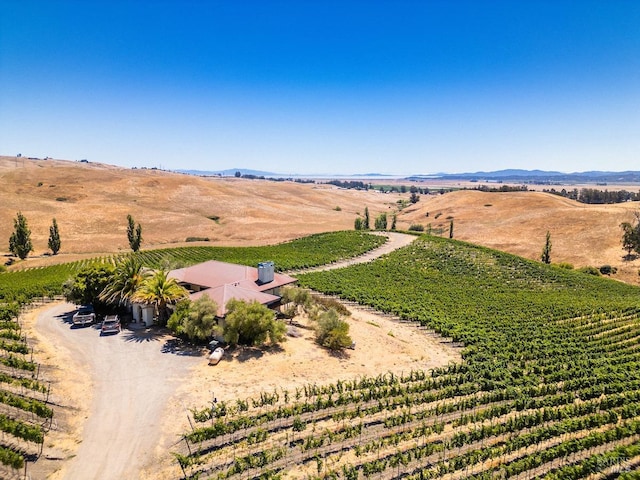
(91, 203)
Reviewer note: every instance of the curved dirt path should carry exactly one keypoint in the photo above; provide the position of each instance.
(395, 241)
(123, 385)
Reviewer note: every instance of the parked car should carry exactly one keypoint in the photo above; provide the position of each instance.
(84, 316)
(111, 324)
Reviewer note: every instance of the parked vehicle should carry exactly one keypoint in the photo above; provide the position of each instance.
(216, 355)
(84, 316)
(111, 324)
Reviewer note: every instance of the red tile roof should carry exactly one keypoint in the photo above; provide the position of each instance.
(223, 281)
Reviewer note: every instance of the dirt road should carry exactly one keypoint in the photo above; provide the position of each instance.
(127, 379)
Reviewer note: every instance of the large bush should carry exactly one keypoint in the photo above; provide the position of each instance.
(251, 324)
(332, 331)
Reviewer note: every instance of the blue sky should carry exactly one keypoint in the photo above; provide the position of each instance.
(315, 87)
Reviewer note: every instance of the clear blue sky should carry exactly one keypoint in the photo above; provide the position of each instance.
(397, 87)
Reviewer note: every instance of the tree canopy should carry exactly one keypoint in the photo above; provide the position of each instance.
(159, 290)
(631, 235)
(332, 331)
(86, 287)
(20, 240)
(134, 234)
(251, 324)
(54, 237)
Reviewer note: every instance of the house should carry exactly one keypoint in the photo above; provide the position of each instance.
(225, 281)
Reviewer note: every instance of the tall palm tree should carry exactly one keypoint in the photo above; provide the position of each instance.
(159, 290)
(128, 276)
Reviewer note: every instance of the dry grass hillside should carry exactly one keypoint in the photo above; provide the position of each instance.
(517, 222)
(91, 203)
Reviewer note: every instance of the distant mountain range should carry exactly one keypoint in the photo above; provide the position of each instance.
(539, 176)
(507, 176)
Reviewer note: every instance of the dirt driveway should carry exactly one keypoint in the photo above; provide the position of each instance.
(120, 384)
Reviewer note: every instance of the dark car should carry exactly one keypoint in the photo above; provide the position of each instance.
(217, 343)
(110, 324)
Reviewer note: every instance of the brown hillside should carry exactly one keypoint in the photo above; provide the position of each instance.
(517, 222)
(91, 203)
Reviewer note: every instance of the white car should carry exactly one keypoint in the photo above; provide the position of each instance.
(84, 316)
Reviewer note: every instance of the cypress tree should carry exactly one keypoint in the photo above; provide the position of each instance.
(54, 237)
(20, 240)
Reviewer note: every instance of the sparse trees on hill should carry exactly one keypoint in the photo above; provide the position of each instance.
(134, 234)
(54, 237)
(381, 222)
(631, 235)
(20, 240)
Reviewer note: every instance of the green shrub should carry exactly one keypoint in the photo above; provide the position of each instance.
(564, 265)
(608, 270)
(332, 331)
(197, 239)
(590, 271)
(416, 227)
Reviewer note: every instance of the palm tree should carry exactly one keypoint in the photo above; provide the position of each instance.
(159, 290)
(128, 276)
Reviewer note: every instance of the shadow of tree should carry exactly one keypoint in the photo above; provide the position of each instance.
(630, 258)
(242, 353)
(142, 336)
(339, 354)
(178, 346)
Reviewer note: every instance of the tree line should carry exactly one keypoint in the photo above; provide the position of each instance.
(595, 196)
(21, 246)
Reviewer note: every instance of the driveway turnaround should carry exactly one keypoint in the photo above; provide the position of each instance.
(133, 374)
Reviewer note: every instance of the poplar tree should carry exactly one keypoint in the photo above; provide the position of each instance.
(20, 240)
(134, 234)
(546, 251)
(54, 237)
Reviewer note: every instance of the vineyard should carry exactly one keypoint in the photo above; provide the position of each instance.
(25, 414)
(23, 285)
(549, 386)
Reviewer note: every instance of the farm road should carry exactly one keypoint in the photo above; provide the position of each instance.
(124, 383)
(396, 240)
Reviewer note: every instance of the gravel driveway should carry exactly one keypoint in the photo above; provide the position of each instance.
(133, 375)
